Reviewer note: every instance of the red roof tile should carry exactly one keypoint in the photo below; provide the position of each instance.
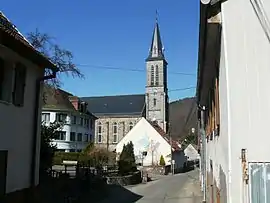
(165, 136)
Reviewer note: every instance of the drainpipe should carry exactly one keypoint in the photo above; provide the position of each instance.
(37, 124)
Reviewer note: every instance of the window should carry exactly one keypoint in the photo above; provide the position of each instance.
(79, 137)
(73, 120)
(99, 138)
(60, 135)
(99, 128)
(157, 76)
(115, 138)
(154, 101)
(61, 117)
(79, 150)
(91, 123)
(130, 125)
(259, 182)
(115, 132)
(72, 136)
(81, 121)
(19, 85)
(114, 127)
(45, 117)
(86, 122)
(72, 150)
(99, 132)
(86, 137)
(152, 76)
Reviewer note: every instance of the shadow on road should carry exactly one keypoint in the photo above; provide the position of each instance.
(117, 193)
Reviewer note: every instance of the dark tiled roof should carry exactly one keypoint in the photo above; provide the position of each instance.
(14, 39)
(116, 105)
(165, 136)
(56, 99)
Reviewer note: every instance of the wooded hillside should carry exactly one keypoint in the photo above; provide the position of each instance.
(182, 117)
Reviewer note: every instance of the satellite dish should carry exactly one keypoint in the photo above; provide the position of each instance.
(154, 119)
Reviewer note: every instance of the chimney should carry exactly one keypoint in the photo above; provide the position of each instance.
(75, 102)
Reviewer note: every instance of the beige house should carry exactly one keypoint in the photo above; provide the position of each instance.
(21, 78)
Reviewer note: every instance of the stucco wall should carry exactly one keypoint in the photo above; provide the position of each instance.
(69, 127)
(244, 96)
(16, 124)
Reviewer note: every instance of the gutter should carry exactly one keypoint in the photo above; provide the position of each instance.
(36, 127)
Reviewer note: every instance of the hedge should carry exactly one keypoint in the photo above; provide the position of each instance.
(59, 157)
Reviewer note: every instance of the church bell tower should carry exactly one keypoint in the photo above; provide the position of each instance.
(156, 96)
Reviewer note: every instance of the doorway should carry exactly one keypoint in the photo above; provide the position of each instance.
(3, 171)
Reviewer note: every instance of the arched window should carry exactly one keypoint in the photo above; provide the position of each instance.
(154, 101)
(99, 132)
(130, 125)
(157, 75)
(152, 75)
(115, 132)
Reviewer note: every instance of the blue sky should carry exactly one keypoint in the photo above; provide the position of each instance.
(116, 33)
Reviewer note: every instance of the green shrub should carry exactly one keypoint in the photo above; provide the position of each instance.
(126, 163)
(162, 161)
(59, 157)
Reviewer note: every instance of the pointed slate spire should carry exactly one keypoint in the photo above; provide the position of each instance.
(156, 49)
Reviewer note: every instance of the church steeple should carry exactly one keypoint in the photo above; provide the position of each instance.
(156, 51)
(156, 97)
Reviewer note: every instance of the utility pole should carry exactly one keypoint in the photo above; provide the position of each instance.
(203, 154)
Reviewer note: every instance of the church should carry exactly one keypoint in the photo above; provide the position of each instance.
(118, 114)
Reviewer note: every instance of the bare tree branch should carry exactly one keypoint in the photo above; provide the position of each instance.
(61, 57)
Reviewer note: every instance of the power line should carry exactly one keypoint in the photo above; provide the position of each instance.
(130, 70)
(181, 89)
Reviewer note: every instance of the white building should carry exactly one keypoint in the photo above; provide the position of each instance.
(233, 85)
(191, 153)
(78, 127)
(21, 78)
(151, 138)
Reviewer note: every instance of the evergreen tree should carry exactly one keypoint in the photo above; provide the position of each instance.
(162, 161)
(127, 159)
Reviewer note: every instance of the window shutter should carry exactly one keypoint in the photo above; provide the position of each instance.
(19, 86)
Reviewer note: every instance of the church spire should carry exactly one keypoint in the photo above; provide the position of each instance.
(156, 49)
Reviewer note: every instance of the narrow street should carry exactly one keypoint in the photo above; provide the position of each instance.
(180, 188)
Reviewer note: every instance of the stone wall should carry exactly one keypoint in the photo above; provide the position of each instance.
(125, 180)
(107, 123)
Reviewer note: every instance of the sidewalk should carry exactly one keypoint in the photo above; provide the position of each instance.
(191, 192)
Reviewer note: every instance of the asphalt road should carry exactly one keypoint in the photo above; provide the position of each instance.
(164, 190)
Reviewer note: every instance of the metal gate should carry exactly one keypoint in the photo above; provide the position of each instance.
(259, 182)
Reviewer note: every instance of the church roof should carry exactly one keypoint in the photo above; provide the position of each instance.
(120, 105)
(156, 48)
(173, 143)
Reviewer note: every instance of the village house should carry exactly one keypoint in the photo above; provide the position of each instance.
(77, 123)
(149, 137)
(234, 99)
(21, 79)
